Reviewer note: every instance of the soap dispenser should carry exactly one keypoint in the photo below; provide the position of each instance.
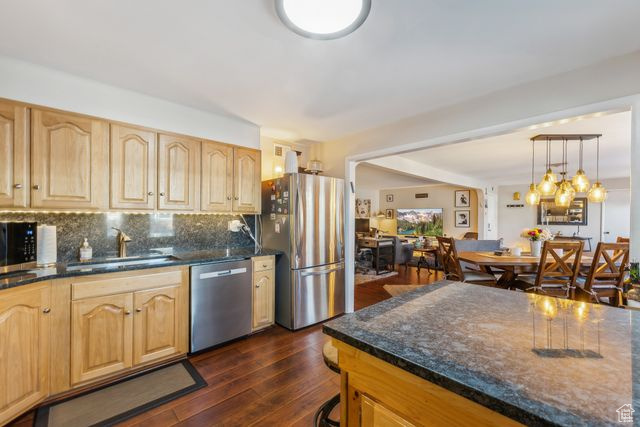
(86, 252)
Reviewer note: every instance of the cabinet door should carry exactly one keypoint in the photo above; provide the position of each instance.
(14, 156)
(101, 336)
(70, 161)
(246, 196)
(178, 173)
(374, 414)
(133, 168)
(217, 177)
(263, 299)
(24, 349)
(156, 324)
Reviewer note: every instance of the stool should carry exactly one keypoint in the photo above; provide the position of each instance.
(321, 418)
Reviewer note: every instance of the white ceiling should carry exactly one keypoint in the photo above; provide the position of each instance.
(236, 58)
(506, 159)
(371, 177)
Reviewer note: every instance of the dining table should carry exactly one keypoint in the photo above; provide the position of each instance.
(509, 266)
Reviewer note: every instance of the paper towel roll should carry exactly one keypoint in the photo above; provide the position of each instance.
(291, 162)
(47, 245)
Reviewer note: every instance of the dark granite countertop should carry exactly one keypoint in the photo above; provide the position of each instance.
(167, 259)
(490, 346)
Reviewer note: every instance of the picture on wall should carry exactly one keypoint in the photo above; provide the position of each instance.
(463, 199)
(463, 219)
(363, 208)
(389, 198)
(389, 214)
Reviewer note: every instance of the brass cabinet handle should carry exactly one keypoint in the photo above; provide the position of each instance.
(236, 198)
(17, 186)
(264, 265)
(150, 193)
(228, 197)
(257, 285)
(127, 312)
(36, 187)
(161, 194)
(138, 310)
(46, 310)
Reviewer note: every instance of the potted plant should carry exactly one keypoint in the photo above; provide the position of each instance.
(536, 236)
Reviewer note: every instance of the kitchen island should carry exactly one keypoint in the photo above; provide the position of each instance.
(459, 354)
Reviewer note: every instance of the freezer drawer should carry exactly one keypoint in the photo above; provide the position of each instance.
(318, 294)
(220, 303)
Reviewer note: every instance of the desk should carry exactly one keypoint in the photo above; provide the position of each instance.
(384, 254)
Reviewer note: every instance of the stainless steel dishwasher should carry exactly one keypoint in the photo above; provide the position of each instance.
(220, 303)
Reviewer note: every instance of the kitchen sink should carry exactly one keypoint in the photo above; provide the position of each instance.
(114, 263)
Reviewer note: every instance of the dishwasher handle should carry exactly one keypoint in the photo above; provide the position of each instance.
(222, 273)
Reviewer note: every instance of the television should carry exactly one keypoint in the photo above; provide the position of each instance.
(419, 222)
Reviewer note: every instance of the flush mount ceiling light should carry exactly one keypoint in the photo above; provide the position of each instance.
(323, 19)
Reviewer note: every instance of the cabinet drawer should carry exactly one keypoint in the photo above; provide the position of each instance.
(116, 285)
(263, 263)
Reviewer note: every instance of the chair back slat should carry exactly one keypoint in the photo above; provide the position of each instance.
(620, 239)
(610, 261)
(449, 259)
(559, 269)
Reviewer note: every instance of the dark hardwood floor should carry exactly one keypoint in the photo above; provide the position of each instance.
(275, 377)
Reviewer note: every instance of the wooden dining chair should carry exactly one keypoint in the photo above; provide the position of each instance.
(448, 257)
(557, 271)
(607, 273)
(470, 235)
(620, 239)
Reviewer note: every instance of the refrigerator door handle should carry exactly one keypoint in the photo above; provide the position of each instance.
(321, 272)
(299, 224)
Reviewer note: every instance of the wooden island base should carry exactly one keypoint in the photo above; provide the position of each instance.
(376, 393)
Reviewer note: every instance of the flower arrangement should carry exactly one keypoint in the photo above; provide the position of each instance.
(537, 234)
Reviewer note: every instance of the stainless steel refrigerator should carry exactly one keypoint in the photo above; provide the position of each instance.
(303, 216)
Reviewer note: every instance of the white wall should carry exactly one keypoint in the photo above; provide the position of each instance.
(511, 221)
(615, 78)
(440, 196)
(22, 81)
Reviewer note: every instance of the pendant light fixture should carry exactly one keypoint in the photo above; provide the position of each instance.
(580, 181)
(547, 185)
(565, 193)
(533, 195)
(598, 193)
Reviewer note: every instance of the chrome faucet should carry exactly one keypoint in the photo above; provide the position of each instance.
(122, 242)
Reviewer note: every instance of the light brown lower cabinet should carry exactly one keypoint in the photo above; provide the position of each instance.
(156, 324)
(264, 293)
(101, 336)
(24, 348)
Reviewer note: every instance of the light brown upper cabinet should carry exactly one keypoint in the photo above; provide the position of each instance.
(217, 177)
(14, 156)
(69, 161)
(246, 196)
(178, 171)
(133, 168)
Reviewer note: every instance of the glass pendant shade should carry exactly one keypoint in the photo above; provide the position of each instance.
(548, 184)
(565, 194)
(597, 194)
(580, 182)
(533, 196)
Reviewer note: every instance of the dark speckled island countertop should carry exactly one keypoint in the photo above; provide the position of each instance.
(171, 258)
(491, 346)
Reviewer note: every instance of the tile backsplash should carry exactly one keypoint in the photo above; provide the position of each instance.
(147, 231)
